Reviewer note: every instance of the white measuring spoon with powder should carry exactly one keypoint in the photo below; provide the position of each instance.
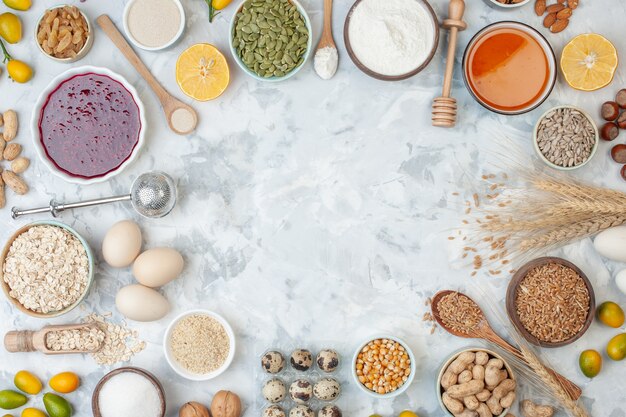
(181, 118)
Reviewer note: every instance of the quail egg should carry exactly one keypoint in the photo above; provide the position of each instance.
(301, 359)
(301, 411)
(301, 391)
(274, 390)
(273, 362)
(329, 411)
(327, 360)
(326, 389)
(273, 411)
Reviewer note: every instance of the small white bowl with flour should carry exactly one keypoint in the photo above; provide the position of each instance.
(391, 40)
(154, 25)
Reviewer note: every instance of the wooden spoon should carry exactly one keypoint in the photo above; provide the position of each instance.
(327, 40)
(31, 341)
(484, 331)
(174, 109)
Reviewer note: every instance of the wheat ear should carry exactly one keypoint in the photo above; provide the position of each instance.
(557, 389)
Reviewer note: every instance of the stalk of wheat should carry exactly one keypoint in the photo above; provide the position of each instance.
(544, 212)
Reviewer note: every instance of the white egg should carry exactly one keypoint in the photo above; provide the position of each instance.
(122, 244)
(620, 281)
(158, 266)
(140, 303)
(612, 243)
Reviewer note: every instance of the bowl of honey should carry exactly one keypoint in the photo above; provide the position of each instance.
(509, 68)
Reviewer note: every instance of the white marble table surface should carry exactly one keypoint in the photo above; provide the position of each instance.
(310, 210)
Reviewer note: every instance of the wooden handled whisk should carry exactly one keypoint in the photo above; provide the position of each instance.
(444, 107)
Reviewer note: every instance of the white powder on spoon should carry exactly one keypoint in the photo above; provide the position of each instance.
(154, 23)
(391, 37)
(325, 62)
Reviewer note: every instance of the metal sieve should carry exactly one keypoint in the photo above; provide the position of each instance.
(152, 194)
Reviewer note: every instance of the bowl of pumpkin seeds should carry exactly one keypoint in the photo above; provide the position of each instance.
(271, 39)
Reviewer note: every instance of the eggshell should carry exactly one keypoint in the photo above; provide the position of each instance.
(612, 243)
(158, 266)
(620, 281)
(140, 303)
(122, 244)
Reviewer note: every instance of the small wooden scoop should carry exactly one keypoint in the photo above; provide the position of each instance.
(32, 341)
(484, 331)
(171, 105)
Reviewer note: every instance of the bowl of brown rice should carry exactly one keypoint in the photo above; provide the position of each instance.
(551, 302)
(46, 269)
(199, 345)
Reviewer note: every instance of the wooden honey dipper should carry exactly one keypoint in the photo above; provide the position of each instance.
(444, 107)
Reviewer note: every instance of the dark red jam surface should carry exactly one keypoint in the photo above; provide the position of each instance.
(89, 125)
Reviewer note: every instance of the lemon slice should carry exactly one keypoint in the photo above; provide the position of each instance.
(202, 72)
(589, 62)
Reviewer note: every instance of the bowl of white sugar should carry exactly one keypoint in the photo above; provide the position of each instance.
(153, 25)
(391, 40)
(128, 392)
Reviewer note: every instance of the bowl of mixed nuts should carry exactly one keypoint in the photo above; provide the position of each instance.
(566, 138)
(383, 367)
(270, 39)
(64, 34)
(476, 381)
(46, 269)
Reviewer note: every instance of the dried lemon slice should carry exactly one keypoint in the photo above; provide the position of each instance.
(202, 72)
(589, 62)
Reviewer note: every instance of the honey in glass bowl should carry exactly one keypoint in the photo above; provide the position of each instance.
(509, 68)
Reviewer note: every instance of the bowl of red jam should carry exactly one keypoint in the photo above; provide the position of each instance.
(88, 125)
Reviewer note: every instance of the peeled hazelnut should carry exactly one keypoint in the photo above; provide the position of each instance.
(226, 404)
(193, 409)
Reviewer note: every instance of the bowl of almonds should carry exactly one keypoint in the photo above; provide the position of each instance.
(64, 34)
(383, 367)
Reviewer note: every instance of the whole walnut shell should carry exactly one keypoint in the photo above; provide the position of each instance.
(193, 409)
(226, 404)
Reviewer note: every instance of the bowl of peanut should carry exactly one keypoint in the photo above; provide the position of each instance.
(64, 34)
(476, 381)
(383, 367)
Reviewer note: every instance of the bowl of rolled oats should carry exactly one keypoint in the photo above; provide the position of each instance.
(64, 34)
(46, 269)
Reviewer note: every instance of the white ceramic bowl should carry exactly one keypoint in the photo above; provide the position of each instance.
(451, 359)
(130, 37)
(244, 67)
(507, 6)
(82, 52)
(41, 101)
(558, 167)
(182, 371)
(5, 251)
(404, 386)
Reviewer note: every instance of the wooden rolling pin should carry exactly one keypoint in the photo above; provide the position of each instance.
(32, 341)
(444, 107)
